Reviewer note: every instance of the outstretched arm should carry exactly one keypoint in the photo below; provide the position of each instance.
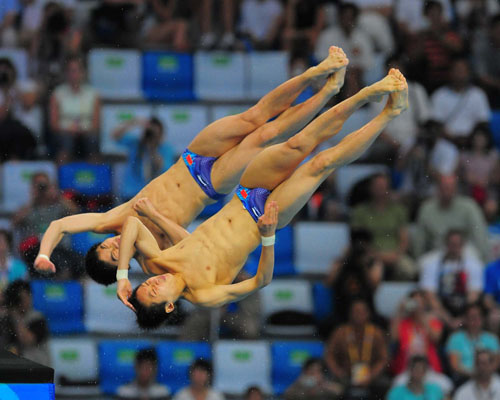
(56, 231)
(144, 207)
(222, 294)
(135, 236)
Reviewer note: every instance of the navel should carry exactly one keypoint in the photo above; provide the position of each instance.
(207, 268)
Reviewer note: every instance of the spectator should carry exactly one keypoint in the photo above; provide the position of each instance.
(440, 379)
(144, 386)
(11, 268)
(16, 140)
(25, 328)
(449, 210)
(357, 355)
(451, 278)
(209, 38)
(169, 25)
(75, 115)
(313, 383)
(438, 45)
(9, 10)
(416, 387)
(463, 344)
(148, 156)
(261, 22)
(348, 35)
(460, 106)
(401, 134)
(478, 163)
(253, 393)
(200, 376)
(410, 16)
(473, 17)
(417, 332)
(387, 221)
(356, 275)
(485, 384)
(27, 110)
(487, 62)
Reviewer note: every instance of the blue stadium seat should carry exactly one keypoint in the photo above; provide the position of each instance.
(283, 251)
(495, 127)
(174, 361)
(61, 303)
(167, 76)
(323, 301)
(116, 362)
(87, 179)
(287, 360)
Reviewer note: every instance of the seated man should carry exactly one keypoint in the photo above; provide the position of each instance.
(208, 170)
(202, 267)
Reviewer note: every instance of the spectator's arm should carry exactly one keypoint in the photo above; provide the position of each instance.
(438, 308)
(123, 128)
(54, 114)
(419, 238)
(332, 347)
(274, 30)
(96, 116)
(23, 334)
(404, 240)
(478, 230)
(165, 12)
(383, 356)
(376, 274)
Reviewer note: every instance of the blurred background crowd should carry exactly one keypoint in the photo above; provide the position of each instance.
(388, 283)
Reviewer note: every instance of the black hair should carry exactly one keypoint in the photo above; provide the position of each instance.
(8, 237)
(253, 389)
(203, 365)
(13, 292)
(475, 305)
(432, 4)
(417, 360)
(146, 355)
(98, 270)
(482, 128)
(148, 317)
(494, 20)
(346, 6)
(311, 361)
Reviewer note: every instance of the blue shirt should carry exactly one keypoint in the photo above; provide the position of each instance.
(460, 343)
(16, 269)
(8, 6)
(431, 392)
(492, 280)
(134, 170)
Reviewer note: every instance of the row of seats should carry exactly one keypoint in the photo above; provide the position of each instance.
(71, 307)
(169, 76)
(237, 364)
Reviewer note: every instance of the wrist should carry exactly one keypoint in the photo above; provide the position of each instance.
(268, 240)
(121, 274)
(44, 256)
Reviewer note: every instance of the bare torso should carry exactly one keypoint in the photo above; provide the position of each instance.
(215, 253)
(175, 194)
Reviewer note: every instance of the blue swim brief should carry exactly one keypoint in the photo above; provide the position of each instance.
(254, 200)
(200, 168)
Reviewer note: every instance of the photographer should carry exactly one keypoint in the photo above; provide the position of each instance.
(148, 155)
(417, 333)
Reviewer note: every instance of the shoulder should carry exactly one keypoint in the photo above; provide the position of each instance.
(128, 390)
(214, 395)
(433, 389)
(466, 202)
(396, 392)
(488, 339)
(431, 259)
(464, 392)
(61, 90)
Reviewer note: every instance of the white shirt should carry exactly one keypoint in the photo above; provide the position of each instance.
(460, 112)
(411, 13)
(358, 46)
(470, 391)
(372, 3)
(76, 107)
(431, 267)
(133, 391)
(258, 17)
(445, 383)
(185, 394)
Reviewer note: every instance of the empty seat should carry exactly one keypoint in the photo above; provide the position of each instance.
(323, 301)
(318, 244)
(389, 295)
(19, 58)
(116, 362)
(115, 115)
(495, 127)
(116, 74)
(182, 123)
(16, 181)
(104, 312)
(287, 361)
(75, 366)
(290, 299)
(167, 76)
(175, 358)
(220, 76)
(240, 364)
(84, 178)
(283, 254)
(61, 303)
(268, 70)
(347, 176)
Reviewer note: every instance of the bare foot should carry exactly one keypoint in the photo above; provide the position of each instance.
(336, 80)
(390, 84)
(336, 60)
(398, 101)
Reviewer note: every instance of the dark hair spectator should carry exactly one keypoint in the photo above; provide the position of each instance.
(200, 387)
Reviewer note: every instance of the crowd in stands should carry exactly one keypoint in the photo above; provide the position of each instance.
(424, 220)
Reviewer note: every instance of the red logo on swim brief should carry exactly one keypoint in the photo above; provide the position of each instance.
(244, 193)
(189, 159)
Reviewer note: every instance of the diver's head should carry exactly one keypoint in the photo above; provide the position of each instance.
(154, 300)
(101, 260)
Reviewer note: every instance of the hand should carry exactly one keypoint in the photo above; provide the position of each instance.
(144, 207)
(44, 266)
(267, 223)
(124, 291)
